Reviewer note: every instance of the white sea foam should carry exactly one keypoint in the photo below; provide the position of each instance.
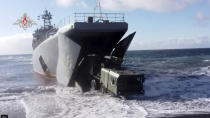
(12, 108)
(10, 104)
(158, 107)
(65, 102)
(175, 95)
(68, 103)
(206, 60)
(203, 71)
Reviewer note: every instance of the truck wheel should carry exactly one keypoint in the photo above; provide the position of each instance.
(103, 89)
(142, 91)
(93, 85)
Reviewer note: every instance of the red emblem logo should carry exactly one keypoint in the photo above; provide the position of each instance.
(25, 22)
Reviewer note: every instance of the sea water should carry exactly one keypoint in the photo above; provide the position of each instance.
(176, 82)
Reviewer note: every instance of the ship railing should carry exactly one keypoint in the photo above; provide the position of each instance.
(111, 17)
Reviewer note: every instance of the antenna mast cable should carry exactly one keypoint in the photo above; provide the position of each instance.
(98, 6)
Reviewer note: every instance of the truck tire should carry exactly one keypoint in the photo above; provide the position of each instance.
(103, 89)
(142, 91)
(93, 85)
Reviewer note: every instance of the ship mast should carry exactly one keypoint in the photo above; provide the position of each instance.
(47, 19)
(99, 8)
(100, 11)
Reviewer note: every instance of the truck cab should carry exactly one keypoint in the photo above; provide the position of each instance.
(121, 82)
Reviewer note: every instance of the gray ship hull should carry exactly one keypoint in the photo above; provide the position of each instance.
(56, 57)
(48, 51)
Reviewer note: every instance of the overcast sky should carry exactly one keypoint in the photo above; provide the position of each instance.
(160, 24)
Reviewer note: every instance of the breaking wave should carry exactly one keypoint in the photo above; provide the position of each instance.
(57, 102)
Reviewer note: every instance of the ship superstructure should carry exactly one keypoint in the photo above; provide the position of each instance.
(44, 32)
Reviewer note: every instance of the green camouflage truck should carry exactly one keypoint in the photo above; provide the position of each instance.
(121, 82)
(106, 74)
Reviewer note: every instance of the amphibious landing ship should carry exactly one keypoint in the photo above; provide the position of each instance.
(87, 54)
